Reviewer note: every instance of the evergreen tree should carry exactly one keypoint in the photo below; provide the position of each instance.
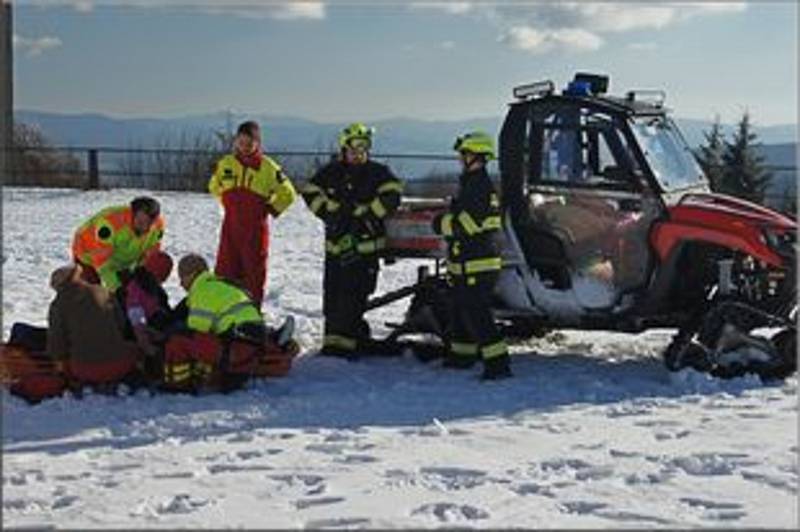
(744, 174)
(710, 155)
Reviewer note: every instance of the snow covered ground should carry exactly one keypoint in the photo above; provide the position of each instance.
(592, 431)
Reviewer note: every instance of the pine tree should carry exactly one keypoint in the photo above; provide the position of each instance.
(710, 155)
(744, 174)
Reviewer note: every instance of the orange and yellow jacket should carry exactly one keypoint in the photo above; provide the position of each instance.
(107, 242)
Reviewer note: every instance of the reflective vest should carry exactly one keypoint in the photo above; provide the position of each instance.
(269, 182)
(216, 305)
(364, 194)
(107, 243)
(470, 227)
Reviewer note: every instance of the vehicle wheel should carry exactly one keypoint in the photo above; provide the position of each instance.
(683, 353)
(785, 343)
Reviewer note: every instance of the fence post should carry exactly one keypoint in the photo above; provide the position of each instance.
(94, 171)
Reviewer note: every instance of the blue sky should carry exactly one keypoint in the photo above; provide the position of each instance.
(337, 61)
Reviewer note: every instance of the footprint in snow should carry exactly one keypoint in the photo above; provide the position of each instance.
(64, 501)
(582, 507)
(343, 522)
(531, 488)
(356, 459)
(706, 504)
(182, 503)
(302, 504)
(710, 464)
(446, 512)
(215, 469)
(453, 478)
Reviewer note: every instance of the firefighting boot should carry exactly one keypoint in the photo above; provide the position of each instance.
(496, 368)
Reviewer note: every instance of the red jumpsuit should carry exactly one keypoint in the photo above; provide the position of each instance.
(248, 192)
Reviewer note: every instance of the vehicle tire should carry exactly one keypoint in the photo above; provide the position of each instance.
(785, 343)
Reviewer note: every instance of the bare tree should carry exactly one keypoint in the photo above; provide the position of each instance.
(35, 162)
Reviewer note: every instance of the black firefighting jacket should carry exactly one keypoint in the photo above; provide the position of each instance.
(353, 201)
(471, 225)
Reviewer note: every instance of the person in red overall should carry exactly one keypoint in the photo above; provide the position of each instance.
(251, 187)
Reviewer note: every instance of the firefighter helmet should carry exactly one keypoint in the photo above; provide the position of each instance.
(476, 142)
(356, 132)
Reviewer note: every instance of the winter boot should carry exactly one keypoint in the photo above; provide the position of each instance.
(496, 368)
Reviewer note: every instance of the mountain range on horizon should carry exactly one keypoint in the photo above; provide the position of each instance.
(396, 135)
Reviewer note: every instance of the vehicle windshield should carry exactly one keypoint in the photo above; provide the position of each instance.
(667, 153)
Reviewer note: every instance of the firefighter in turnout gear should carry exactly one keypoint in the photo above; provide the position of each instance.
(110, 244)
(352, 195)
(473, 262)
(251, 187)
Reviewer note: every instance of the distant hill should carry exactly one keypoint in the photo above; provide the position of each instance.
(398, 135)
(286, 132)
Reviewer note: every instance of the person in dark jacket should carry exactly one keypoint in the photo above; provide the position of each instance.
(352, 195)
(470, 228)
(84, 334)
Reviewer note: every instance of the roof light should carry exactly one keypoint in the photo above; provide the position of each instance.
(578, 88)
(652, 96)
(539, 88)
(598, 83)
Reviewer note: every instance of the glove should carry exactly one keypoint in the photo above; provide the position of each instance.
(367, 226)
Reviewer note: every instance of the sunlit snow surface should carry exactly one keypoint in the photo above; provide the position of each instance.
(592, 431)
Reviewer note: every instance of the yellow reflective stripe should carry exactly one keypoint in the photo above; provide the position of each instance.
(464, 349)
(336, 340)
(360, 210)
(333, 206)
(391, 186)
(491, 223)
(475, 266)
(468, 223)
(202, 369)
(447, 225)
(378, 208)
(200, 319)
(311, 188)
(494, 350)
(317, 204)
(330, 247)
(371, 246)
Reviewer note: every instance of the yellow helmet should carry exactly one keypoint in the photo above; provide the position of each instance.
(356, 131)
(476, 142)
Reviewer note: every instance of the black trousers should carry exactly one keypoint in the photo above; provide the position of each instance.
(346, 290)
(474, 332)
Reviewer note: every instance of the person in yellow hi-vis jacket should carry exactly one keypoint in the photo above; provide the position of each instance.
(474, 262)
(251, 187)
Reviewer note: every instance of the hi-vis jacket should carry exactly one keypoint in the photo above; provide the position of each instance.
(215, 305)
(348, 196)
(268, 183)
(471, 225)
(107, 243)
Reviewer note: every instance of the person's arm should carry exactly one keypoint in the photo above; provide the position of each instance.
(319, 202)
(283, 194)
(215, 184)
(57, 337)
(199, 319)
(476, 212)
(384, 202)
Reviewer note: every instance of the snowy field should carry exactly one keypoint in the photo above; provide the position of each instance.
(592, 431)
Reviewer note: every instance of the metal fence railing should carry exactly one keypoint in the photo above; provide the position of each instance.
(425, 175)
(186, 169)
